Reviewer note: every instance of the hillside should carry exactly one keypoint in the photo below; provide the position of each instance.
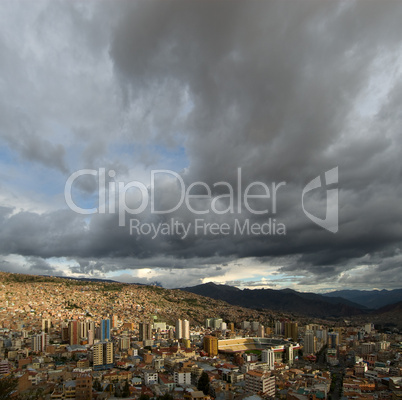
(30, 296)
(386, 318)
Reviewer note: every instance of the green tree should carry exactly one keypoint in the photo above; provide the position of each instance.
(144, 397)
(203, 383)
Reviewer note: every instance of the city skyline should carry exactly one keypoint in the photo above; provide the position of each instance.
(170, 344)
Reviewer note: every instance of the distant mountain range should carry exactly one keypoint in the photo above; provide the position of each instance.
(340, 303)
(285, 300)
(373, 299)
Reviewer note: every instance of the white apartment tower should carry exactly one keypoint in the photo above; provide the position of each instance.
(309, 342)
(268, 357)
(179, 329)
(186, 329)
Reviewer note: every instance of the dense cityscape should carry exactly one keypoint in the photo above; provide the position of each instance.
(68, 339)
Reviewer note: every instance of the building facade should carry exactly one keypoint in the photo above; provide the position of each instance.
(260, 382)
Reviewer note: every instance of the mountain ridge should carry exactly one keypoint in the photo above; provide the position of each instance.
(285, 300)
(373, 299)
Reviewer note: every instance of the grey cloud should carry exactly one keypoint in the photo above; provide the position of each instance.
(30, 265)
(33, 148)
(278, 88)
(39, 266)
(250, 284)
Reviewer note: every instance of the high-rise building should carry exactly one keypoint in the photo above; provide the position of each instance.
(182, 329)
(313, 327)
(91, 335)
(73, 335)
(124, 342)
(231, 326)
(39, 342)
(278, 328)
(211, 345)
(105, 330)
(83, 329)
(268, 357)
(145, 331)
(383, 345)
(291, 330)
(333, 340)
(289, 351)
(217, 323)
(90, 326)
(103, 355)
(209, 323)
(179, 329)
(245, 325)
(339, 331)
(65, 335)
(186, 329)
(322, 335)
(254, 326)
(213, 323)
(367, 348)
(261, 331)
(46, 325)
(114, 321)
(309, 342)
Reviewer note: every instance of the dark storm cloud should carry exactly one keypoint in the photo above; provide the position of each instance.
(275, 87)
(272, 83)
(285, 90)
(380, 269)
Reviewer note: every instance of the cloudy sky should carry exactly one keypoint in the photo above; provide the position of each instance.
(227, 93)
